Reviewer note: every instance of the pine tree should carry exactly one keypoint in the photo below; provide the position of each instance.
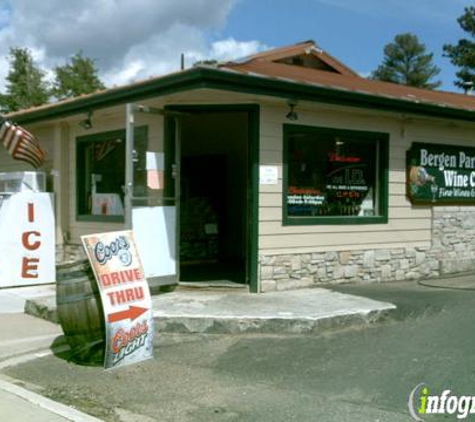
(78, 76)
(26, 86)
(406, 62)
(462, 55)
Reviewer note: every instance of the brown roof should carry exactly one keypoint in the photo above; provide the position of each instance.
(321, 71)
(303, 48)
(343, 78)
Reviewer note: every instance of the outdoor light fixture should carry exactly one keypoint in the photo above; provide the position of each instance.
(292, 115)
(87, 122)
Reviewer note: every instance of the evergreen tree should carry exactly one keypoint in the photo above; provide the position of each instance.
(78, 76)
(462, 55)
(26, 86)
(406, 62)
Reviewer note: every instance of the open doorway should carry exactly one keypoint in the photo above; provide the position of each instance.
(214, 180)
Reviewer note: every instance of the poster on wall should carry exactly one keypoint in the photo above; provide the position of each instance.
(268, 175)
(27, 239)
(125, 297)
(440, 174)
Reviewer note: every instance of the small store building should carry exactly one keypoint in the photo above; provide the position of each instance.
(282, 170)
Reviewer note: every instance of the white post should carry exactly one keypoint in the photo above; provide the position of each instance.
(129, 164)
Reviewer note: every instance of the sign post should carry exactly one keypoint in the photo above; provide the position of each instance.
(125, 297)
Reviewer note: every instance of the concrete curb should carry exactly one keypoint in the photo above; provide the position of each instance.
(8, 385)
(44, 308)
(267, 325)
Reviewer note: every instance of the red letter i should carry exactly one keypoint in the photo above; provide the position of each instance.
(31, 212)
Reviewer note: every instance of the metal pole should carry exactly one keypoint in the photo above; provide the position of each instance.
(177, 171)
(129, 163)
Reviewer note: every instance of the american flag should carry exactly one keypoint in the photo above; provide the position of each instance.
(21, 144)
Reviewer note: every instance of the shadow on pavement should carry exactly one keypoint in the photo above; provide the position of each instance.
(89, 355)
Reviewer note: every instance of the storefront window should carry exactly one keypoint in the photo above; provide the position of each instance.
(334, 176)
(100, 173)
(101, 176)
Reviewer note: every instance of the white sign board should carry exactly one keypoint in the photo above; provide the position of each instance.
(159, 236)
(268, 175)
(27, 239)
(125, 297)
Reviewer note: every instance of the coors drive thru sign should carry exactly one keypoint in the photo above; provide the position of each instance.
(125, 297)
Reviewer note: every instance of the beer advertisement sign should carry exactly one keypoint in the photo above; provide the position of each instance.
(125, 297)
(441, 174)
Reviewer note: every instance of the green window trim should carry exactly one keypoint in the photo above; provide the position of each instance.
(139, 132)
(382, 177)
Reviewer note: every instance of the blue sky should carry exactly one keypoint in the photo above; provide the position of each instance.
(354, 31)
(132, 40)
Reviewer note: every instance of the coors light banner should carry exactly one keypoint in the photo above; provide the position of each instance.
(125, 297)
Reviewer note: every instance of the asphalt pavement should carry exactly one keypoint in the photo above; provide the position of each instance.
(188, 310)
(363, 372)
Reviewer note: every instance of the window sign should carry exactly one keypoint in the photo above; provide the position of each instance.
(332, 173)
(268, 175)
(440, 174)
(155, 170)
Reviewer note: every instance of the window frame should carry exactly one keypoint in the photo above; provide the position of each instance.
(139, 132)
(382, 176)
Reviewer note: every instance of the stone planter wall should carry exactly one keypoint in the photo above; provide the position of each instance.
(452, 251)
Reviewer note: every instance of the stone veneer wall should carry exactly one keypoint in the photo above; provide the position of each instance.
(452, 251)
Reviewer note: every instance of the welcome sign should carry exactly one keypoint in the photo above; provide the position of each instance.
(441, 174)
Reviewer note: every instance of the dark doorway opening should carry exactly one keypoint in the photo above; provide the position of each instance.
(214, 180)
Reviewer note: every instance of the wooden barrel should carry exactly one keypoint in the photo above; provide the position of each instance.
(80, 312)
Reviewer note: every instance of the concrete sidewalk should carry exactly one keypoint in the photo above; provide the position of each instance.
(292, 312)
(233, 311)
(12, 300)
(25, 338)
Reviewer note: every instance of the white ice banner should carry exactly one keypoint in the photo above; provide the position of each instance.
(27, 239)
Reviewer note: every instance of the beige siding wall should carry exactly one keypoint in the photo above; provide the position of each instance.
(408, 226)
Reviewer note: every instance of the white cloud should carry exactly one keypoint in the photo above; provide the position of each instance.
(128, 39)
(230, 48)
